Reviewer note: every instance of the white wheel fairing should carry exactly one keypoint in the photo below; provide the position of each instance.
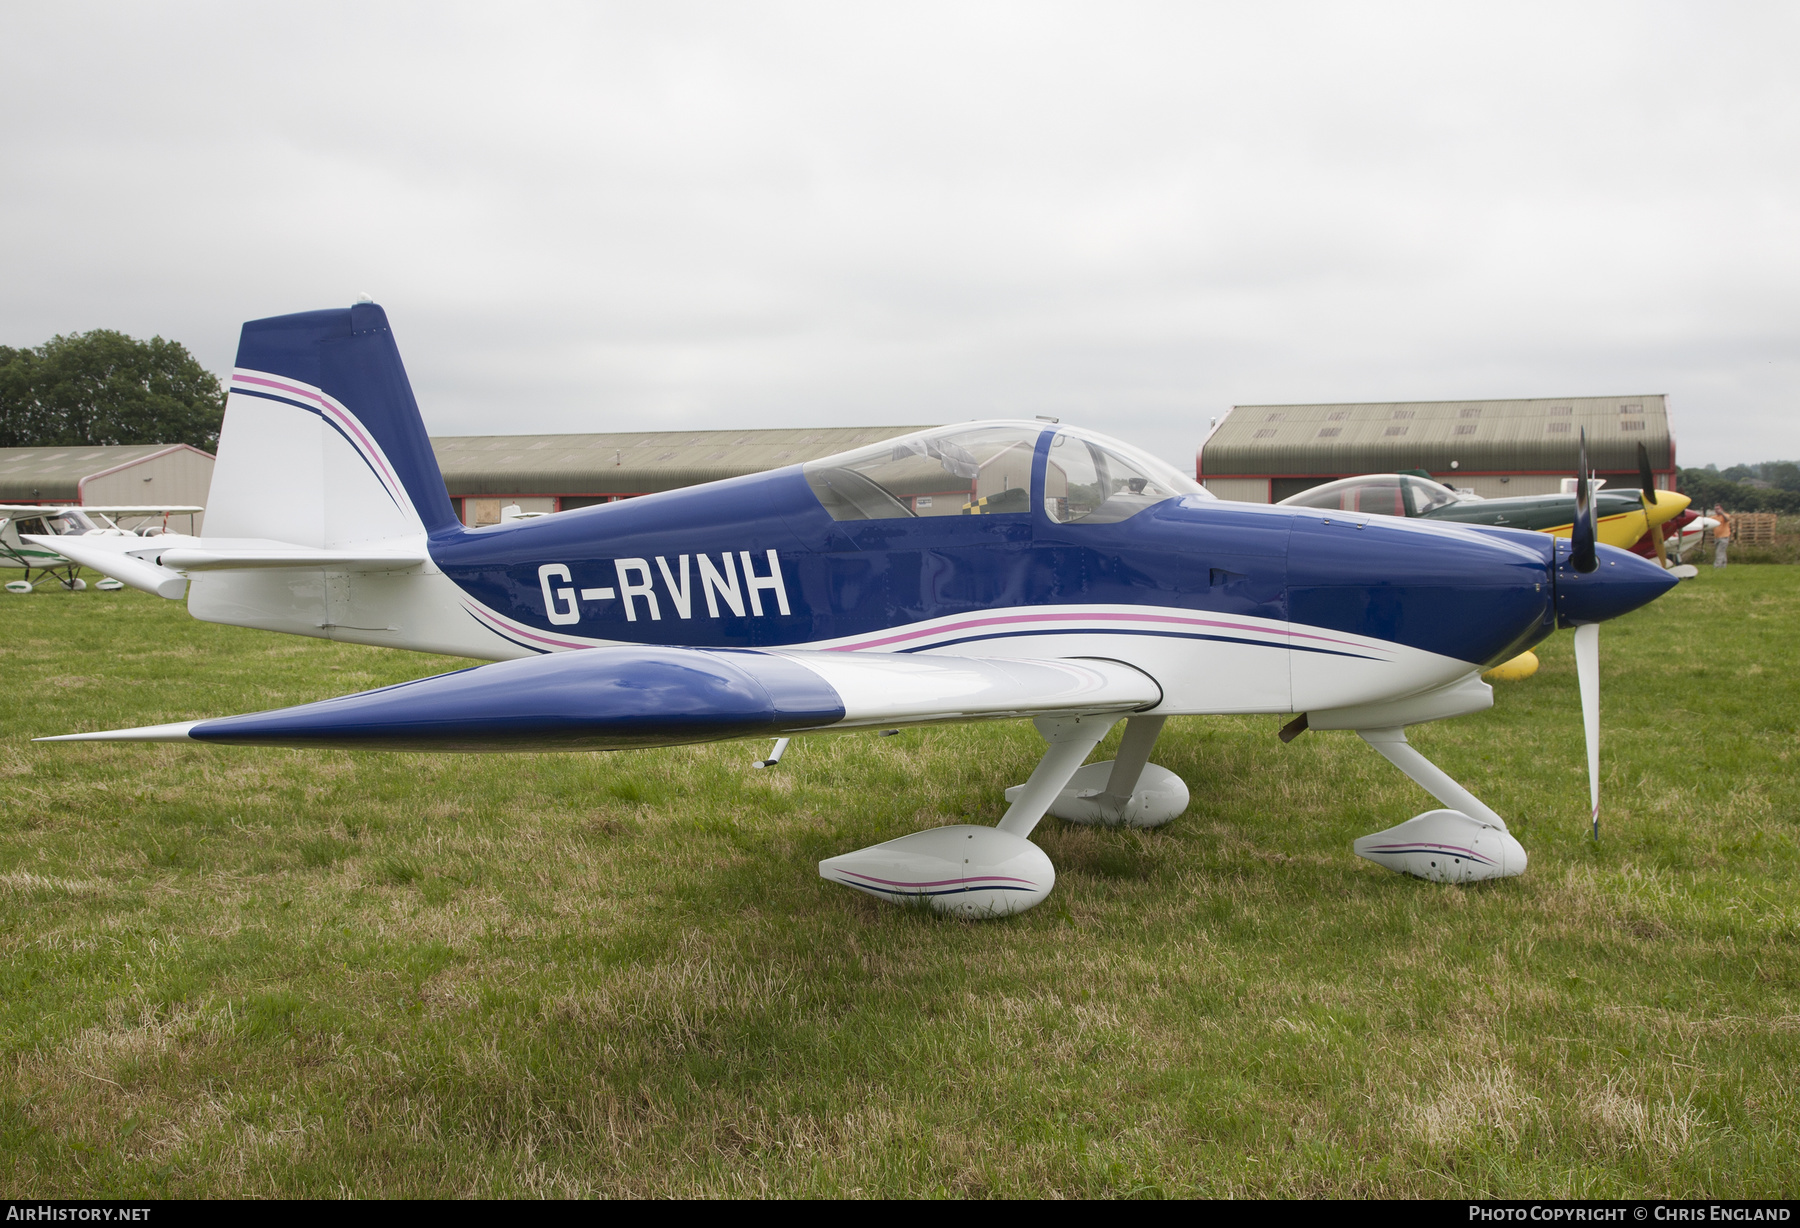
(965, 871)
(1445, 846)
(1160, 797)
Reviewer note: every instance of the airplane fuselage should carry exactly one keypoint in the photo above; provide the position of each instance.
(1619, 515)
(1232, 607)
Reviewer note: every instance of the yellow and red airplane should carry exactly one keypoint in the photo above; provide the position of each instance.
(1622, 517)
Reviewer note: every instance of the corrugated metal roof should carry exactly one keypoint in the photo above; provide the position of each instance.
(638, 462)
(1537, 435)
(55, 473)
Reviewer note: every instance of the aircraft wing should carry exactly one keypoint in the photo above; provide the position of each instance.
(618, 698)
(109, 509)
(140, 509)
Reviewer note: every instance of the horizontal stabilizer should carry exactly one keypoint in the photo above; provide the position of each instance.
(117, 557)
(618, 698)
(230, 554)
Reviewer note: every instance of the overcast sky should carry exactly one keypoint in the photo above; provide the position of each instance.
(620, 217)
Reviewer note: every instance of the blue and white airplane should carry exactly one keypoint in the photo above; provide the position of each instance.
(990, 571)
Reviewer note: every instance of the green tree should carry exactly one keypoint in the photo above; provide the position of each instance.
(1784, 474)
(103, 387)
(1707, 488)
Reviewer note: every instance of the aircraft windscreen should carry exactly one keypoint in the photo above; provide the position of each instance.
(1098, 481)
(69, 523)
(1428, 496)
(969, 471)
(1376, 494)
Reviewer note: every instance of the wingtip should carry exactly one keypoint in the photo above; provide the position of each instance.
(177, 732)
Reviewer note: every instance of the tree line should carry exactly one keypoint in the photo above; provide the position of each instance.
(103, 387)
(1776, 487)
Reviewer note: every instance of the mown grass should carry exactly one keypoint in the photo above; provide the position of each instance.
(258, 972)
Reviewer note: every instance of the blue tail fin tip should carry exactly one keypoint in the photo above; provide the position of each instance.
(349, 354)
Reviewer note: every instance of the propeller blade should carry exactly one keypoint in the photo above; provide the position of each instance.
(1646, 477)
(1647, 492)
(1582, 534)
(1587, 674)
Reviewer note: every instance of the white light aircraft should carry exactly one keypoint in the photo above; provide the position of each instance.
(36, 537)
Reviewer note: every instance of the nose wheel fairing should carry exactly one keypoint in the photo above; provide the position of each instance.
(1445, 846)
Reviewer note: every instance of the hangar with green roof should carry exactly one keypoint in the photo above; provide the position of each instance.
(1492, 448)
(485, 474)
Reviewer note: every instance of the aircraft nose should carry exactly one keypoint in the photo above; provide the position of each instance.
(1472, 594)
(1669, 504)
(1620, 584)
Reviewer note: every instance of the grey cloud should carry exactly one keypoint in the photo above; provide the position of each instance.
(1132, 216)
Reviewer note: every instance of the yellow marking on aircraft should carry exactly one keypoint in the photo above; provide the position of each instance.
(1624, 530)
(1522, 666)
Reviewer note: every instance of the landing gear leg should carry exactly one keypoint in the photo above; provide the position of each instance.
(1128, 791)
(1433, 779)
(1463, 843)
(1140, 737)
(1072, 739)
(979, 871)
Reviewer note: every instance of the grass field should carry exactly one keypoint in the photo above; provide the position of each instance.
(258, 972)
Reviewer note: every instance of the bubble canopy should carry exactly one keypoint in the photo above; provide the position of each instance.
(1379, 494)
(984, 469)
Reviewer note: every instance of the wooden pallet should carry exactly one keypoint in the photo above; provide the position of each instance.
(1753, 528)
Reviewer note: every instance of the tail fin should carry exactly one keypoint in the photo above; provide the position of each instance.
(323, 444)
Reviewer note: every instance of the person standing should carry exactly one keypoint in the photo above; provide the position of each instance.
(1721, 534)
